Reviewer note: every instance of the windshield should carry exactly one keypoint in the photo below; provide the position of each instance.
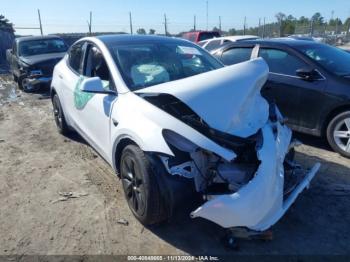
(331, 58)
(143, 65)
(207, 35)
(43, 46)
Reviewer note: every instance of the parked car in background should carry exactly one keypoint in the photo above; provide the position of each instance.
(142, 103)
(309, 81)
(215, 43)
(32, 60)
(197, 36)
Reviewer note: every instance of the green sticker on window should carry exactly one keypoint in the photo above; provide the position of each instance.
(81, 98)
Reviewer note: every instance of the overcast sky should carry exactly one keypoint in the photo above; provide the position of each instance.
(113, 15)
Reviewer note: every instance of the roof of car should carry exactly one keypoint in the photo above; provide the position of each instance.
(126, 38)
(29, 38)
(232, 38)
(282, 41)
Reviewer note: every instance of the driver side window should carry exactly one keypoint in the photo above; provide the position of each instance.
(95, 66)
(281, 62)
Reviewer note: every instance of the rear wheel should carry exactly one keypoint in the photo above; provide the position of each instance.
(59, 116)
(140, 186)
(338, 133)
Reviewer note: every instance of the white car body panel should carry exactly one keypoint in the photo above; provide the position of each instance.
(225, 86)
(233, 38)
(228, 99)
(259, 204)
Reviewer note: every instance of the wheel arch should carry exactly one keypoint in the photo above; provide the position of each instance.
(118, 149)
(52, 92)
(336, 111)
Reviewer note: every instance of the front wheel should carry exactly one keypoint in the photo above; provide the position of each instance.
(140, 186)
(338, 133)
(59, 116)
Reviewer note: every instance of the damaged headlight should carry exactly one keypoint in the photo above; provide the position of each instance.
(35, 73)
(178, 141)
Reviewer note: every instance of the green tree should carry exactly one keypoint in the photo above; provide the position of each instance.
(334, 22)
(232, 31)
(317, 19)
(303, 20)
(141, 31)
(152, 31)
(5, 24)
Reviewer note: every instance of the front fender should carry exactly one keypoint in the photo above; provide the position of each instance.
(143, 123)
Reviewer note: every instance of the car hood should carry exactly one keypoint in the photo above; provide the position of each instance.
(227, 99)
(36, 59)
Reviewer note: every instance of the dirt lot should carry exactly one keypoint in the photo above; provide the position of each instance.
(36, 163)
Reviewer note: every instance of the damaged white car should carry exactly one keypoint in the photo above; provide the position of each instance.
(171, 120)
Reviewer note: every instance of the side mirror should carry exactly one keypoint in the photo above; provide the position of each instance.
(94, 85)
(307, 74)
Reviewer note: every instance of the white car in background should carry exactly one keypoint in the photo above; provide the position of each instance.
(214, 43)
(171, 120)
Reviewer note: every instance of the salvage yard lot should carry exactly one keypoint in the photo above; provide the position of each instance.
(38, 167)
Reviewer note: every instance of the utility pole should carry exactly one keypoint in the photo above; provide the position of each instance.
(130, 20)
(336, 26)
(207, 16)
(259, 26)
(263, 32)
(220, 23)
(194, 23)
(245, 21)
(89, 23)
(311, 27)
(165, 25)
(41, 26)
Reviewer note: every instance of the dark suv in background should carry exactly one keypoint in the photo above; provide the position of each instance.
(309, 81)
(32, 60)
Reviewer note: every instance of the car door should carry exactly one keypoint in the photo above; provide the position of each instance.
(94, 109)
(294, 95)
(14, 60)
(69, 79)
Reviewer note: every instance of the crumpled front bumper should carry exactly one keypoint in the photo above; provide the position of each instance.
(260, 203)
(40, 80)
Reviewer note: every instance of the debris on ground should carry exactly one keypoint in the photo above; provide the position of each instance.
(67, 195)
(123, 221)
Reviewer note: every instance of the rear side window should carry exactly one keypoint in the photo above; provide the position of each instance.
(202, 43)
(281, 62)
(213, 44)
(236, 55)
(75, 56)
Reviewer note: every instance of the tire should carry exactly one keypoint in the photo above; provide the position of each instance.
(338, 133)
(19, 81)
(15, 78)
(141, 188)
(59, 116)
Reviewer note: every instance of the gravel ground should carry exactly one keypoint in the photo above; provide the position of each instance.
(37, 165)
